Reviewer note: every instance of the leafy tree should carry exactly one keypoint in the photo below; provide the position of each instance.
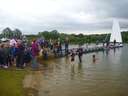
(49, 35)
(17, 33)
(7, 33)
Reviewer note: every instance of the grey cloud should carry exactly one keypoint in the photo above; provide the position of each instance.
(104, 10)
(112, 8)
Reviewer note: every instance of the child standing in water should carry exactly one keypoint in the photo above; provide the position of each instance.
(72, 55)
(94, 59)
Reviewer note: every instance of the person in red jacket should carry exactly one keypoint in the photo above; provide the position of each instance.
(35, 52)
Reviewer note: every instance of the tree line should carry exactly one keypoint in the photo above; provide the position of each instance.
(55, 35)
(77, 39)
(8, 33)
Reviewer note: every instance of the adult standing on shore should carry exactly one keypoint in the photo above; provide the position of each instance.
(35, 51)
(19, 55)
(7, 57)
(45, 52)
(66, 45)
(2, 55)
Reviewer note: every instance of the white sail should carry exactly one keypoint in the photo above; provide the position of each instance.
(116, 34)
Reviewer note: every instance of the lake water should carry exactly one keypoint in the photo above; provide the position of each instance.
(108, 76)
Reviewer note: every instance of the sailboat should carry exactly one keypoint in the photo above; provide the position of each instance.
(116, 34)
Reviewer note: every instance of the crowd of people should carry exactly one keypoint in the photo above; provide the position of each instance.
(19, 53)
(14, 53)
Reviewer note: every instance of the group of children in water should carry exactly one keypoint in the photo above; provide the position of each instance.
(80, 52)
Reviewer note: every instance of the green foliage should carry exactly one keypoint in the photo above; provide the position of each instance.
(8, 33)
(77, 39)
(125, 36)
(49, 35)
(55, 35)
(17, 33)
(30, 38)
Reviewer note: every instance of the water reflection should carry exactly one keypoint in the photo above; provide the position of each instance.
(72, 71)
(67, 60)
(114, 50)
(107, 52)
(115, 55)
(80, 67)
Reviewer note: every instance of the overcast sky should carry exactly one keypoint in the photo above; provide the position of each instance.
(67, 16)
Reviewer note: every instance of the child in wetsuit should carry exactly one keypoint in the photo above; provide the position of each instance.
(72, 56)
(94, 58)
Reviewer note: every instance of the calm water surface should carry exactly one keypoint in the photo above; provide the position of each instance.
(108, 76)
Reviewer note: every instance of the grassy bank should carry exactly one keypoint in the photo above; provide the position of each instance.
(11, 82)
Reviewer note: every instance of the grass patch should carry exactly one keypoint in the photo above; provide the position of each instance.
(11, 82)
